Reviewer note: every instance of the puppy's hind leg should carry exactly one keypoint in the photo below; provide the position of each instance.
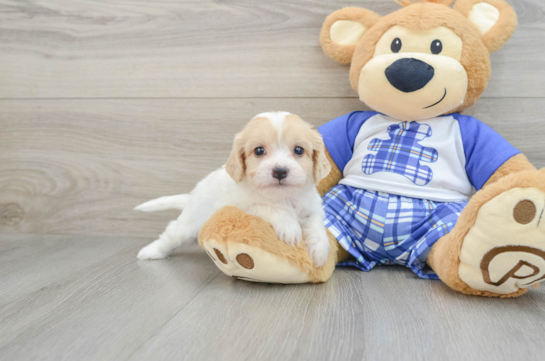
(178, 232)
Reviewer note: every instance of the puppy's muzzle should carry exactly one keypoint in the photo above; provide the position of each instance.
(280, 173)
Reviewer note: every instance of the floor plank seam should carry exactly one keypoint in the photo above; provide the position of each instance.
(160, 328)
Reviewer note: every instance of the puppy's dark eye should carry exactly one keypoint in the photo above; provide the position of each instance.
(396, 45)
(259, 151)
(298, 151)
(436, 47)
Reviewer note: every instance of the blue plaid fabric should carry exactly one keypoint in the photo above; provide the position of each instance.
(402, 154)
(381, 228)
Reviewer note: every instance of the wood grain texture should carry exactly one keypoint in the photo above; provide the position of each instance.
(81, 166)
(386, 314)
(30, 263)
(103, 308)
(183, 308)
(236, 48)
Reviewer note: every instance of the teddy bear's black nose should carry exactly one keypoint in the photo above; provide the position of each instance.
(409, 75)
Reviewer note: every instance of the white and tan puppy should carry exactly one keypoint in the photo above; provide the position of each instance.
(272, 172)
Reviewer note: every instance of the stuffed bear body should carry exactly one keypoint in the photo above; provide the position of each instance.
(402, 178)
(405, 183)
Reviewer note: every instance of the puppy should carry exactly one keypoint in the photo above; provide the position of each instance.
(274, 165)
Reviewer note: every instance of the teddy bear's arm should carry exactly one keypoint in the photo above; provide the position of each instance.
(332, 179)
(515, 164)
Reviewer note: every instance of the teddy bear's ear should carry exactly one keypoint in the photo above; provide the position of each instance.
(343, 29)
(496, 20)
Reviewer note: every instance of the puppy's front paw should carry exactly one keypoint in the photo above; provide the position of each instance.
(152, 251)
(317, 246)
(289, 231)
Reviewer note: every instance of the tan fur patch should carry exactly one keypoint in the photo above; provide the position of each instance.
(259, 132)
(412, 2)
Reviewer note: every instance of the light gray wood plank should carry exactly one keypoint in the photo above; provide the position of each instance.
(134, 48)
(80, 166)
(28, 263)
(104, 311)
(386, 314)
(184, 308)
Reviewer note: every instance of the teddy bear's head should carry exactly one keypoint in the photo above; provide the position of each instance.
(424, 60)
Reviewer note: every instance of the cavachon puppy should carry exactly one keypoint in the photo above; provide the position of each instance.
(272, 172)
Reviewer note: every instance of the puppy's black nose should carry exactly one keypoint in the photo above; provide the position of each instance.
(409, 75)
(280, 173)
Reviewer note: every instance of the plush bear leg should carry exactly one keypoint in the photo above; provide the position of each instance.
(497, 248)
(246, 247)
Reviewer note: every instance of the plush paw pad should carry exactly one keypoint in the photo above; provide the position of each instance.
(253, 264)
(505, 249)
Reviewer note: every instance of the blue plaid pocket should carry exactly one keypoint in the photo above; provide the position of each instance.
(402, 154)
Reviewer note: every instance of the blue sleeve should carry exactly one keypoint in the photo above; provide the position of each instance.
(485, 150)
(340, 134)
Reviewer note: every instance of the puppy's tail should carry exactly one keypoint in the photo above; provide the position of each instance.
(164, 203)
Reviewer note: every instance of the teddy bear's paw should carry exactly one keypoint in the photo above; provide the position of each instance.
(251, 263)
(505, 249)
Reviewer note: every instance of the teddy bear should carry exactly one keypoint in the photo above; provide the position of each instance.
(413, 182)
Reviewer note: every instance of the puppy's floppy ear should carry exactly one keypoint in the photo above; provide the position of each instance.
(343, 29)
(321, 167)
(496, 20)
(235, 166)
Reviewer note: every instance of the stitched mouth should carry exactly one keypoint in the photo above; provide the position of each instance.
(444, 95)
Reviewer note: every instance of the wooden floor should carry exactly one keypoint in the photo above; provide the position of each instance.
(106, 104)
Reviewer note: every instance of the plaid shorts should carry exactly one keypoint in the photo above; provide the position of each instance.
(377, 227)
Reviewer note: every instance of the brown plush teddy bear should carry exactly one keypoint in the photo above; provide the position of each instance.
(402, 176)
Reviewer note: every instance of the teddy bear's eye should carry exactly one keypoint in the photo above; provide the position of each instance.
(436, 47)
(299, 151)
(259, 151)
(396, 45)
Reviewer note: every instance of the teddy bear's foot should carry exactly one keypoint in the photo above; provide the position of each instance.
(237, 260)
(498, 246)
(246, 247)
(504, 251)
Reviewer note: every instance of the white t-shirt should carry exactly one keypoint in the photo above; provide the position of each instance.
(426, 159)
